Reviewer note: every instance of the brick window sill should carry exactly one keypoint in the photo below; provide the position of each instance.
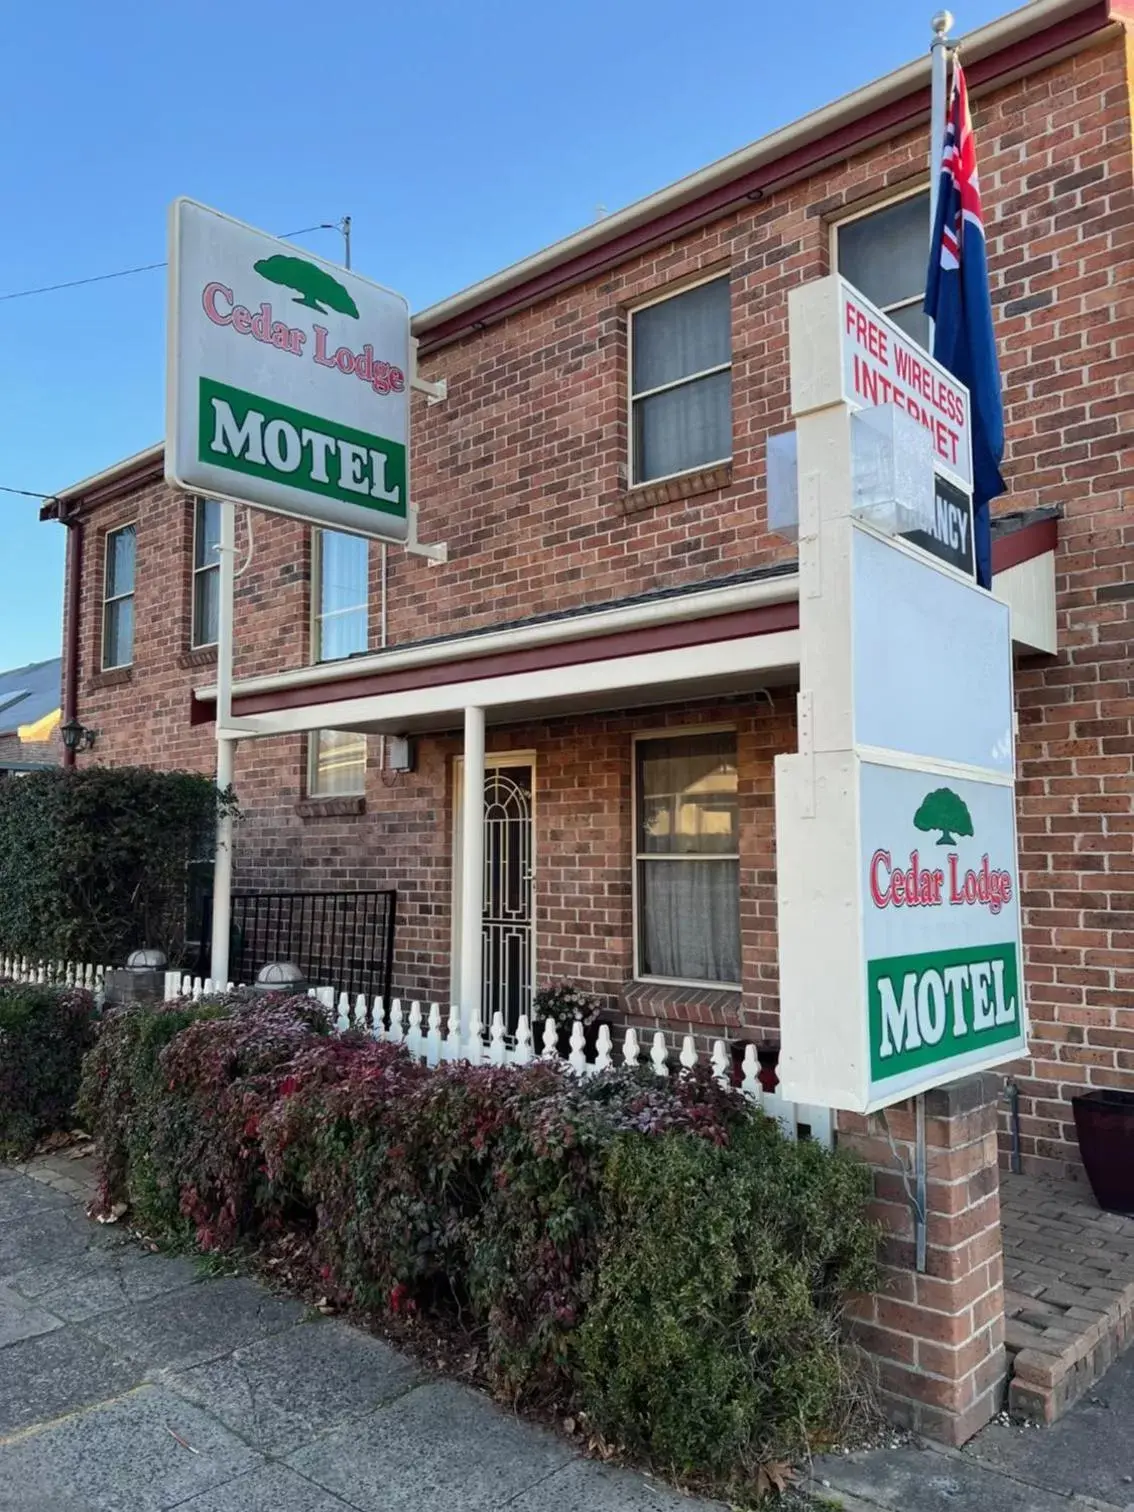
(112, 679)
(200, 656)
(330, 808)
(673, 490)
(681, 1005)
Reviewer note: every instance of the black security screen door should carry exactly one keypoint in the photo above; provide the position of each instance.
(507, 929)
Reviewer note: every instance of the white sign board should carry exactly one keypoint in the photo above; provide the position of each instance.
(897, 882)
(882, 365)
(939, 898)
(289, 379)
(932, 661)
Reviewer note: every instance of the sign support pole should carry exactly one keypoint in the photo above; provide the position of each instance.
(226, 746)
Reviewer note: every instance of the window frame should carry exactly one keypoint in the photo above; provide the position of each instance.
(312, 790)
(317, 614)
(910, 192)
(637, 857)
(117, 598)
(195, 644)
(316, 619)
(660, 296)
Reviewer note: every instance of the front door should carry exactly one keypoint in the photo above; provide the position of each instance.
(507, 926)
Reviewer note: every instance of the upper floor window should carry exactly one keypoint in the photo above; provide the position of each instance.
(336, 762)
(206, 572)
(681, 382)
(118, 599)
(339, 605)
(885, 252)
(687, 856)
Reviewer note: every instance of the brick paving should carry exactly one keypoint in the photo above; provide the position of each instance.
(1068, 1291)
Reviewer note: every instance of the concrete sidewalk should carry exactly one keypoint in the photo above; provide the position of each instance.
(129, 1384)
(1086, 1460)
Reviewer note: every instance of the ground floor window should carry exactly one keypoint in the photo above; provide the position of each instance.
(687, 858)
(336, 764)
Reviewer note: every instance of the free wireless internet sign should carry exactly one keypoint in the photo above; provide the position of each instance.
(289, 379)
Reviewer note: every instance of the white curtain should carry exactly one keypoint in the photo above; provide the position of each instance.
(690, 920)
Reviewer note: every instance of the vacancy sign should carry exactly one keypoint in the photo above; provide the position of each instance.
(289, 379)
(882, 365)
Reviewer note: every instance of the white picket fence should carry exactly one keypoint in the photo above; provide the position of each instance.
(434, 1038)
(55, 973)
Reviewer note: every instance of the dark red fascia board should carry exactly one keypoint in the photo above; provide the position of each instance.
(1007, 551)
(888, 120)
(762, 620)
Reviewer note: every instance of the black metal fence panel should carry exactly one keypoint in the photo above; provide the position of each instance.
(343, 940)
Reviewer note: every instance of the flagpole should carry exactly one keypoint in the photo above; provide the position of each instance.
(938, 70)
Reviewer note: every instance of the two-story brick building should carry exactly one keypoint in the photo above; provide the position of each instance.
(614, 612)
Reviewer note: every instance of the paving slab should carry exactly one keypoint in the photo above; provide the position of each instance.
(282, 1392)
(199, 1323)
(42, 1236)
(20, 1198)
(121, 1457)
(584, 1486)
(911, 1479)
(440, 1446)
(272, 1489)
(20, 1319)
(106, 1279)
(54, 1373)
(1089, 1451)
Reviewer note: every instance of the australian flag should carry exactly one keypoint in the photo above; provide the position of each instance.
(957, 300)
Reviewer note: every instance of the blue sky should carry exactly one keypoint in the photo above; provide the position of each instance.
(459, 138)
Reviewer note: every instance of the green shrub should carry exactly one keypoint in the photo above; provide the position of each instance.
(94, 862)
(44, 1033)
(712, 1342)
(173, 1093)
(650, 1251)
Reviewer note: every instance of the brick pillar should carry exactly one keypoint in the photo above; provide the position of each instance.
(937, 1337)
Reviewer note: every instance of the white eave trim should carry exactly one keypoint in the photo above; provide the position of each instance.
(706, 604)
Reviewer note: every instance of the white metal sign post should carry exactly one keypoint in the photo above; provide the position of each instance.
(288, 389)
(899, 921)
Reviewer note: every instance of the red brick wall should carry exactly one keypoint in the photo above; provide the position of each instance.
(522, 471)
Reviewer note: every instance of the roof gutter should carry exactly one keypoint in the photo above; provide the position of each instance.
(681, 606)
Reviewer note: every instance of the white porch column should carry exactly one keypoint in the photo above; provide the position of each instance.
(472, 868)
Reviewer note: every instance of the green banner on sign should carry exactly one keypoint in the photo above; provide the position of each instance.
(261, 438)
(927, 1010)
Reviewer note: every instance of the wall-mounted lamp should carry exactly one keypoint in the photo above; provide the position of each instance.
(76, 737)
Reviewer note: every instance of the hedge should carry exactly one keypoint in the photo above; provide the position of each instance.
(651, 1255)
(44, 1033)
(95, 862)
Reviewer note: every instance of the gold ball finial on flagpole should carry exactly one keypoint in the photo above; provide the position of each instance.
(942, 23)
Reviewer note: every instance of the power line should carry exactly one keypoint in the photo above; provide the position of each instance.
(75, 283)
(25, 493)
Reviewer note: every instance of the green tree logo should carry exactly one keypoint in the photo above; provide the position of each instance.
(314, 287)
(944, 810)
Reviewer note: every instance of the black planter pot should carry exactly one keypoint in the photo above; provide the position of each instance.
(590, 1036)
(1104, 1122)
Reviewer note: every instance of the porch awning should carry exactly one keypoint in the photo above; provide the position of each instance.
(729, 637)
